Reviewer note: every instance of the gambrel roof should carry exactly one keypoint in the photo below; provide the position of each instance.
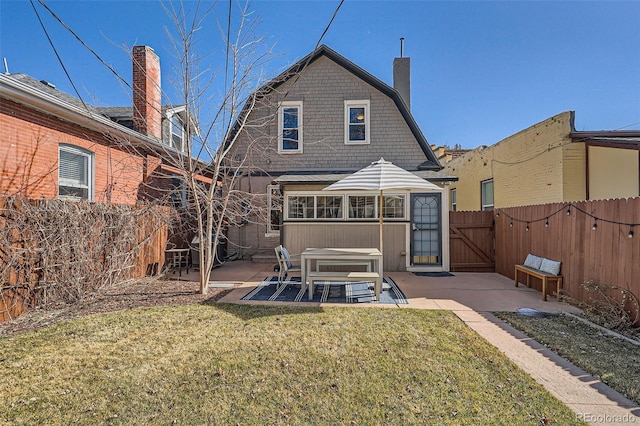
(431, 163)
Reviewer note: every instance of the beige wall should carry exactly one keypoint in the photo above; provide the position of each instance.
(249, 238)
(535, 166)
(299, 236)
(613, 173)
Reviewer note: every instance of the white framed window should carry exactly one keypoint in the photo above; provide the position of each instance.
(290, 127)
(356, 122)
(454, 200)
(274, 200)
(362, 206)
(75, 172)
(393, 206)
(309, 205)
(301, 207)
(321, 207)
(178, 133)
(177, 128)
(487, 194)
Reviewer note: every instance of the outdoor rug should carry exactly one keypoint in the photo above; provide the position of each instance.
(433, 274)
(327, 292)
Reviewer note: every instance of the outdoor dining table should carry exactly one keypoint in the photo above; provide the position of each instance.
(179, 256)
(372, 254)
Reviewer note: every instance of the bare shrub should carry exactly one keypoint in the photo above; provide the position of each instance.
(58, 251)
(610, 306)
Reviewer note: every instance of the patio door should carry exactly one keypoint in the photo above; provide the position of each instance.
(426, 229)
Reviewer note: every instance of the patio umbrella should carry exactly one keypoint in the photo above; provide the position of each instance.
(379, 176)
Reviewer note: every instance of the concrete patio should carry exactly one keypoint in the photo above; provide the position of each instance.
(472, 297)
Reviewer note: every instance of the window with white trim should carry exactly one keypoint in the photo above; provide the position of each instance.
(487, 194)
(75, 172)
(362, 206)
(274, 200)
(393, 206)
(454, 200)
(310, 206)
(314, 207)
(178, 133)
(290, 127)
(356, 122)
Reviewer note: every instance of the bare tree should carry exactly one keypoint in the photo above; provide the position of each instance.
(214, 122)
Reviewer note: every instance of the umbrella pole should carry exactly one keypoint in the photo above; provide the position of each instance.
(380, 215)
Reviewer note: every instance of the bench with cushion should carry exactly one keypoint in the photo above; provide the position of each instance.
(346, 277)
(544, 269)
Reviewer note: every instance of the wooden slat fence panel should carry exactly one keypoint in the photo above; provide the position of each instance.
(471, 241)
(605, 254)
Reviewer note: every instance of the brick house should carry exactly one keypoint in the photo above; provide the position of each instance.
(55, 145)
(314, 124)
(548, 162)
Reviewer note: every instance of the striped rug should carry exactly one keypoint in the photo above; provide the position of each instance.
(327, 292)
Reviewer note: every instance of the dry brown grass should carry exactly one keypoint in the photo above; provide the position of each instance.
(613, 360)
(211, 363)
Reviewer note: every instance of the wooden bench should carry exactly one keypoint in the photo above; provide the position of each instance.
(342, 262)
(542, 275)
(345, 276)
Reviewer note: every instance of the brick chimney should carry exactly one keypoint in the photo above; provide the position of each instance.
(147, 100)
(402, 75)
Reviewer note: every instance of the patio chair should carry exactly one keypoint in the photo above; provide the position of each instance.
(284, 264)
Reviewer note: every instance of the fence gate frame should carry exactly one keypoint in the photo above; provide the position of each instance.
(472, 241)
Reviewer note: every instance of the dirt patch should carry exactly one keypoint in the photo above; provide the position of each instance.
(144, 292)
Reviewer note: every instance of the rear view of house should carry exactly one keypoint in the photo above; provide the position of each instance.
(319, 121)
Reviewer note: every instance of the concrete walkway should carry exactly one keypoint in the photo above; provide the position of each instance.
(472, 297)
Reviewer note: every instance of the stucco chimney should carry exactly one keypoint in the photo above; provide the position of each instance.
(402, 75)
(147, 101)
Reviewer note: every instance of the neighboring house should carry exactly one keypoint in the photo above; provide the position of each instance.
(55, 145)
(547, 163)
(316, 123)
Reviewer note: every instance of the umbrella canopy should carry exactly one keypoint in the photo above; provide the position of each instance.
(382, 175)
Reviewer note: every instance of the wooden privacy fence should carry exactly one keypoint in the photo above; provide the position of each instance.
(55, 250)
(471, 241)
(590, 238)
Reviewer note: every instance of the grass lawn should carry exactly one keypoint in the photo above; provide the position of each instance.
(237, 364)
(616, 362)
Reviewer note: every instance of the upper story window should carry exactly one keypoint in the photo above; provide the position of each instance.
(290, 127)
(75, 172)
(454, 200)
(487, 194)
(178, 133)
(356, 117)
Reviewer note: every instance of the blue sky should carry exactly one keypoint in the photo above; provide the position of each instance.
(480, 71)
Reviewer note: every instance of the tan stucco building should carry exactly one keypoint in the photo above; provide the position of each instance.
(546, 163)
